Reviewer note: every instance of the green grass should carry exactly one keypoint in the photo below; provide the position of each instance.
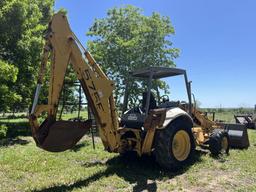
(19, 126)
(227, 116)
(22, 117)
(24, 167)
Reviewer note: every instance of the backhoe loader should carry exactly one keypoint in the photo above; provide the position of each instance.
(165, 129)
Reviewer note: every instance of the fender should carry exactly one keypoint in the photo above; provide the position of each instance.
(174, 113)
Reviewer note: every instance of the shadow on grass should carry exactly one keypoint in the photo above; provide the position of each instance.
(142, 173)
(16, 129)
(13, 141)
(220, 158)
(79, 146)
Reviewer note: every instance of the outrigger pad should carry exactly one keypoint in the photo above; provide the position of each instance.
(238, 135)
(61, 135)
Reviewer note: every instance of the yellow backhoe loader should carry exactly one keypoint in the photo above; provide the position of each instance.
(164, 129)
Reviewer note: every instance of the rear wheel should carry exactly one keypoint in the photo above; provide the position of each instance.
(219, 143)
(174, 145)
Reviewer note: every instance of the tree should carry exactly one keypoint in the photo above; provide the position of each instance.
(127, 40)
(21, 41)
(8, 74)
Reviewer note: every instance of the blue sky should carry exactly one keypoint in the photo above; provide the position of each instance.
(217, 40)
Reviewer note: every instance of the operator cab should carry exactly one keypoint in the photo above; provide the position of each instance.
(135, 117)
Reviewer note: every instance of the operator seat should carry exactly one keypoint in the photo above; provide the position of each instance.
(135, 117)
(152, 101)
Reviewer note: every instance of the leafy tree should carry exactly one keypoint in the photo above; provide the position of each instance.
(8, 75)
(127, 40)
(21, 40)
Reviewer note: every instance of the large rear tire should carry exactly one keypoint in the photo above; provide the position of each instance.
(174, 145)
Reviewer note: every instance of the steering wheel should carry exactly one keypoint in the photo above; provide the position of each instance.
(164, 98)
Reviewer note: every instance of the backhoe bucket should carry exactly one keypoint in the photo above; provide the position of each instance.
(58, 136)
(238, 136)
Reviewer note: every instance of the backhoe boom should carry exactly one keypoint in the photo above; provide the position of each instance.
(64, 48)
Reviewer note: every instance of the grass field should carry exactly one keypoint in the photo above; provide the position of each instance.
(24, 167)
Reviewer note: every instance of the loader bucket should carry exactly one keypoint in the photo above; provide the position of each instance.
(245, 120)
(58, 136)
(238, 136)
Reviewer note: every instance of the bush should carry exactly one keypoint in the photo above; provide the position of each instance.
(3, 131)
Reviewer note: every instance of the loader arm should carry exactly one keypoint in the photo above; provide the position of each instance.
(63, 48)
(206, 124)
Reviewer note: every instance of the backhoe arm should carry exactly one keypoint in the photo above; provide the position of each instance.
(63, 48)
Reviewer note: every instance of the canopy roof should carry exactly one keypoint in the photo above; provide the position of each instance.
(158, 72)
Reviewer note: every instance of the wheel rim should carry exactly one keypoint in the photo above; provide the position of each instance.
(181, 145)
(224, 145)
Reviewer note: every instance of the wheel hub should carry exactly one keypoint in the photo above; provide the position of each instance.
(224, 144)
(181, 145)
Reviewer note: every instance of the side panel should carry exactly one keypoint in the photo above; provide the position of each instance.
(172, 114)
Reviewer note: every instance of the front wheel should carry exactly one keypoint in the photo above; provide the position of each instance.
(175, 144)
(219, 143)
